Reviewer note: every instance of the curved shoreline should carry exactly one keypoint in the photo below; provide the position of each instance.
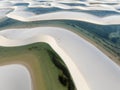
(89, 67)
(53, 44)
(17, 72)
(68, 12)
(67, 15)
(110, 55)
(84, 67)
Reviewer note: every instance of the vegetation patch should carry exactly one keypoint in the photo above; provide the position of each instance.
(48, 70)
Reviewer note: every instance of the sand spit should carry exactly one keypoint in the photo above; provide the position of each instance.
(21, 79)
(67, 15)
(89, 67)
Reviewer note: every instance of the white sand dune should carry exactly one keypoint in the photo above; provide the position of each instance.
(68, 12)
(15, 77)
(89, 67)
(66, 15)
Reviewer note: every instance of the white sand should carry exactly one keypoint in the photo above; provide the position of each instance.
(21, 14)
(66, 15)
(89, 67)
(14, 77)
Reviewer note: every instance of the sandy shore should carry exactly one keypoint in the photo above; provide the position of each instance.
(15, 76)
(89, 65)
(31, 63)
(66, 15)
(48, 39)
(90, 68)
(111, 56)
(67, 10)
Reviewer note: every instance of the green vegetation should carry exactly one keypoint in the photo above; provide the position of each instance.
(48, 71)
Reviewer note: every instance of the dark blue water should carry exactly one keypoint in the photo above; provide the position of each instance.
(74, 4)
(99, 13)
(43, 10)
(21, 4)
